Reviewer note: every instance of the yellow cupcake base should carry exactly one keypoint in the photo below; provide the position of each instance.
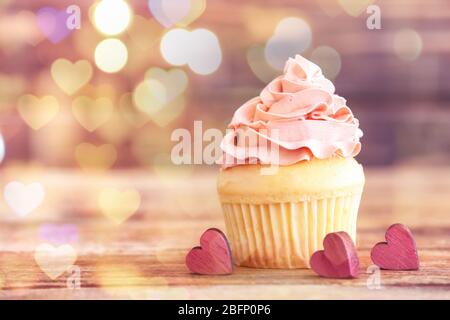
(286, 234)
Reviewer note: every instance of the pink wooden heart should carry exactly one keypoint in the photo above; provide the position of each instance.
(213, 256)
(338, 259)
(399, 252)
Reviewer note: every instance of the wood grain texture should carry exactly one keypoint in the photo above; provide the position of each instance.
(144, 256)
(398, 252)
(213, 256)
(339, 258)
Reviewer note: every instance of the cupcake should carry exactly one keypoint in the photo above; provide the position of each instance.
(288, 175)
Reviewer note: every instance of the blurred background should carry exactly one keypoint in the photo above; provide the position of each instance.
(108, 93)
(91, 91)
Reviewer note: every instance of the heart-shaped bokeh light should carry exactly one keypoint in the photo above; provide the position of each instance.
(53, 23)
(169, 12)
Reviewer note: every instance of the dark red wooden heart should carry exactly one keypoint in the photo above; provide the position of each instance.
(338, 259)
(213, 256)
(399, 252)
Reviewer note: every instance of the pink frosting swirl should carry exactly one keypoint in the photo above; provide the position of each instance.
(299, 114)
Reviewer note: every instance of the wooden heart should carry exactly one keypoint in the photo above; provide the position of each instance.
(213, 257)
(399, 252)
(338, 259)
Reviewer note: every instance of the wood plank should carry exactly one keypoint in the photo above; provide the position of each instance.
(144, 257)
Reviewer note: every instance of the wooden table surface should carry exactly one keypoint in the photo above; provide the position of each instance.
(143, 257)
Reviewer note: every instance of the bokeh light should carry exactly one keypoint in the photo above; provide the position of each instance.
(258, 64)
(116, 130)
(328, 59)
(112, 17)
(37, 112)
(149, 96)
(196, 10)
(85, 41)
(407, 44)
(2, 148)
(292, 36)
(199, 49)
(10, 88)
(170, 112)
(175, 46)
(92, 157)
(354, 7)
(92, 113)
(112, 276)
(130, 113)
(174, 80)
(101, 90)
(253, 15)
(118, 205)
(206, 55)
(160, 96)
(111, 55)
(53, 23)
(70, 77)
(167, 12)
(180, 13)
(25, 30)
(330, 8)
(142, 46)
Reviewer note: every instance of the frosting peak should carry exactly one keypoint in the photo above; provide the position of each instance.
(299, 114)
